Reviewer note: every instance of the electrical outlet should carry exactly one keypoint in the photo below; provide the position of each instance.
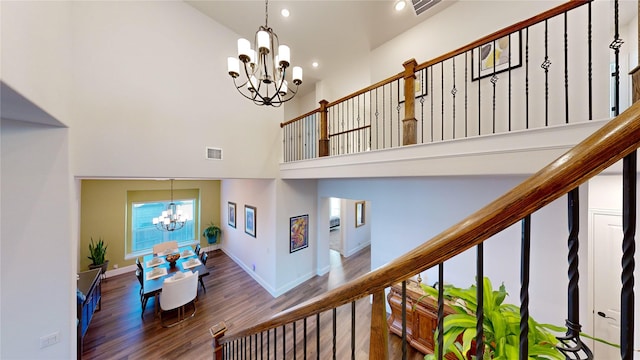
(50, 339)
(115, 266)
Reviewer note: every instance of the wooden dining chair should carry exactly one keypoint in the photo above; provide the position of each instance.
(176, 295)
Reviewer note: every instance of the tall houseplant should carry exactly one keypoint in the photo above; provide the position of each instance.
(501, 326)
(97, 253)
(212, 232)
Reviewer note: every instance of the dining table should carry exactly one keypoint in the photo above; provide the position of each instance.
(157, 269)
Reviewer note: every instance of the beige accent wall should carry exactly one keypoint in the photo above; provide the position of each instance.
(103, 212)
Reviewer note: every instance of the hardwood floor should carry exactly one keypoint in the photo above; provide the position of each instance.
(118, 332)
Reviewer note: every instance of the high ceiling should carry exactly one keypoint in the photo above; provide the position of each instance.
(327, 31)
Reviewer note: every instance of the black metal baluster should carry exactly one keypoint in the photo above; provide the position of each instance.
(615, 46)
(629, 171)
(318, 336)
(442, 100)
(466, 95)
(572, 345)
(268, 345)
(479, 97)
(480, 296)
(545, 65)
(566, 71)
(256, 345)
(353, 330)
(422, 87)
(384, 112)
(509, 81)
(357, 135)
(404, 320)
(377, 114)
(431, 85)
(524, 287)
(398, 107)
(262, 345)
(440, 311)
(250, 343)
(334, 333)
(494, 81)
(294, 340)
(526, 79)
(453, 94)
(305, 339)
(590, 65)
(275, 343)
(284, 341)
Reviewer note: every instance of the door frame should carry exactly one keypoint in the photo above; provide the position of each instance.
(589, 325)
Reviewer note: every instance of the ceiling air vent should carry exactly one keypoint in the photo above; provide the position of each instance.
(421, 6)
(214, 153)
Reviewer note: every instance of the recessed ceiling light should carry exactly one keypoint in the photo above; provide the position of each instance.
(285, 12)
(315, 64)
(400, 4)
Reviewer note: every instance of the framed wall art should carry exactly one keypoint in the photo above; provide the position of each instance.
(298, 232)
(359, 213)
(494, 56)
(231, 214)
(250, 220)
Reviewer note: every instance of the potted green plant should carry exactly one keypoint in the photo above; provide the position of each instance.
(501, 326)
(97, 252)
(212, 232)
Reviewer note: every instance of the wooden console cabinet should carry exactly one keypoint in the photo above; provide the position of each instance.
(89, 285)
(422, 316)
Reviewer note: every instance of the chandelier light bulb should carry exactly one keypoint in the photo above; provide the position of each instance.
(297, 75)
(284, 55)
(244, 50)
(233, 67)
(264, 42)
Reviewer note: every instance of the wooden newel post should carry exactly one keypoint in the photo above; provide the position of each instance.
(410, 123)
(217, 331)
(379, 338)
(323, 146)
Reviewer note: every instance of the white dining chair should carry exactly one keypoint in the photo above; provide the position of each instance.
(167, 245)
(177, 294)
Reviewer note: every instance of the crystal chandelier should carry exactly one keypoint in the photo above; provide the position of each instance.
(171, 219)
(264, 81)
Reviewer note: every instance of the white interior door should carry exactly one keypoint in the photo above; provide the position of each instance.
(607, 242)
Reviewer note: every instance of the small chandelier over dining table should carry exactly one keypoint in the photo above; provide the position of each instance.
(264, 81)
(171, 219)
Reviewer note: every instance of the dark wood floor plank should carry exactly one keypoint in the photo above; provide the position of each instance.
(118, 332)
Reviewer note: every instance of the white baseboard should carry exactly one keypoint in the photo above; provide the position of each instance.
(253, 274)
(356, 249)
(122, 270)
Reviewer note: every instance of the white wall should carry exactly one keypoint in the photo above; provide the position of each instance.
(37, 299)
(246, 250)
(295, 197)
(354, 238)
(36, 53)
(406, 212)
(148, 75)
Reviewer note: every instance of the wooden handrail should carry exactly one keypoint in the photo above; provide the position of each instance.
(564, 7)
(386, 81)
(299, 117)
(609, 144)
(570, 4)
